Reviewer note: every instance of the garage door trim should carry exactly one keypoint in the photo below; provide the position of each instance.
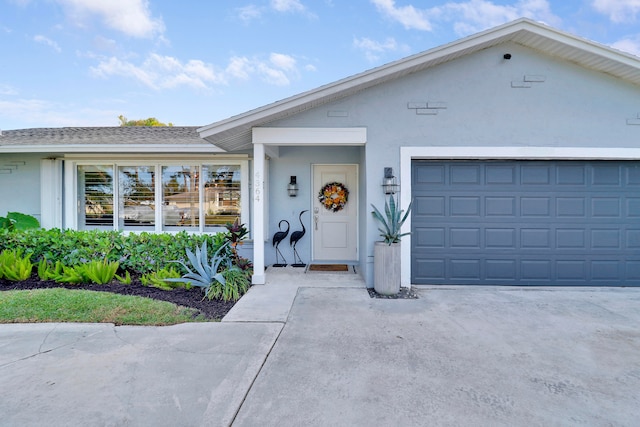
(408, 154)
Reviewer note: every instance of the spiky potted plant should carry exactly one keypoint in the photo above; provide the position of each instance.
(386, 253)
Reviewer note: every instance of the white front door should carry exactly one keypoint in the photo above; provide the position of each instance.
(335, 230)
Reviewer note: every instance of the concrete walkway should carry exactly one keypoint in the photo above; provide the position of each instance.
(315, 350)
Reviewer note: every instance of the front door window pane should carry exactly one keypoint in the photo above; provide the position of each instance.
(222, 194)
(180, 196)
(137, 196)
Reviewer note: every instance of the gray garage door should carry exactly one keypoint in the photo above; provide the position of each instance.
(526, 223)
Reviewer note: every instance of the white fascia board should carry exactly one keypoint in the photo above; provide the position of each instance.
(531, 153)
(310, 136)
(124, 148)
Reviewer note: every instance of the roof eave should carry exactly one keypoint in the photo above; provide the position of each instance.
(112, 148)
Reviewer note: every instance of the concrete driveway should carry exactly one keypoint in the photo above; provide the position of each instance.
(455, 356)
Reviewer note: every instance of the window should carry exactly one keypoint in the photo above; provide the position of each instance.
(159, 196)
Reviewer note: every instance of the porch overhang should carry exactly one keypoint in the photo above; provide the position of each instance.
(266, 141)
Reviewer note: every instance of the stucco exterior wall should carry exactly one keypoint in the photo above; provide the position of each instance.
(530, 100)
(20, 188)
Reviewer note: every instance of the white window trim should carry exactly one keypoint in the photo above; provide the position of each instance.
(407, 154)
(71, 185)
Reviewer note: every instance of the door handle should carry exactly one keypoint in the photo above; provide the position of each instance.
(315, 220)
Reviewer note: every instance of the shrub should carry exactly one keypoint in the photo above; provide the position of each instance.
(137, 253)
(99, 272)
(14, 266)
(236, 284)
(15, 221)
(158, 279)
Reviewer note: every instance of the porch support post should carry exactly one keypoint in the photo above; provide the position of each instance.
(258, 214)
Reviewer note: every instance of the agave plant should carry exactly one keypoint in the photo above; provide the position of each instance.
(392, 221)
(204, 272)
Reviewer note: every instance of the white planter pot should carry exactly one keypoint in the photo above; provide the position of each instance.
(386, 268)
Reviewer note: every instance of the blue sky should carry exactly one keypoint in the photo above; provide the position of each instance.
(85, 62)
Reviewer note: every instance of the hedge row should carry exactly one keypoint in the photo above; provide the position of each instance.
(137, 252)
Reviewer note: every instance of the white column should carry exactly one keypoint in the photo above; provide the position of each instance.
(51, 193)
(258, 214)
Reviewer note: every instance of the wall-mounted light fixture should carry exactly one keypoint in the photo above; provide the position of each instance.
(292, 188)
(389, 183)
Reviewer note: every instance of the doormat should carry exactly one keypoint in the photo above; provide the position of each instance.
(328, 267)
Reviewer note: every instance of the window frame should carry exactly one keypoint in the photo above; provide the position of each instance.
(72, 201)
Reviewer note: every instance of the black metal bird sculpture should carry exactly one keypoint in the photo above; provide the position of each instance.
(277, 238)
(293, 241)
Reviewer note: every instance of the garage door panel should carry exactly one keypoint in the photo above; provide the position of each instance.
(526, 223)
(605, 174)
(464, 174)
(633, 175)
(568, 174)
(605, 207)
(501, 270)
(535, 174)
(429, 206)
(571, 207)
(430, 237)
(633, 239)
(572, 270)
(571, 238)
(500, 206)
(464, 206)
(500, 175)
(633, 207)
(535, 238)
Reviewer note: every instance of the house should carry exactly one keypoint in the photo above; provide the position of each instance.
(519, 147)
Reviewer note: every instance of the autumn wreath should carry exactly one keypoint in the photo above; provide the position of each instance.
(333, 196)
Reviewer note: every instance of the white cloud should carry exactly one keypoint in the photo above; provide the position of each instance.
(373, 49)
(282, 61)
(161, 72)
(131, 17)
(46, 41)
(166, 72)
(469, 16)
(7, 90)
(249, 13)
(278, 70)
(410, 17)
(287, 5)
(629, 45)
(477, 15)
(239, 68)
(618, 10)
(42, 113)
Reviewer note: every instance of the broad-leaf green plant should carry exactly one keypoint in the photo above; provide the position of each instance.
(391, 222)
(16, 221)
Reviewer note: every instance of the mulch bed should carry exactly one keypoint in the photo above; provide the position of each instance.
(211, 309)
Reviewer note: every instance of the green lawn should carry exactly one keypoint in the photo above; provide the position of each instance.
(65, 305)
